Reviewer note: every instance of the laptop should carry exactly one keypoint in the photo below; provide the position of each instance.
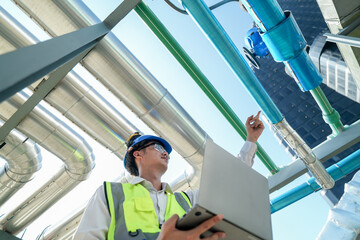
(230, 187)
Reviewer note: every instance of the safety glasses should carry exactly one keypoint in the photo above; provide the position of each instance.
(157, 147)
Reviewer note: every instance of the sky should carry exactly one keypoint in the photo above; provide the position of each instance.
(301, 220)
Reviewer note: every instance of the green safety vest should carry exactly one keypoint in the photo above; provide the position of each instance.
(133, 214)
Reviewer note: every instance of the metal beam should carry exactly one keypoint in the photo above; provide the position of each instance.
(120, 12)
(43, 90)
(349, 28)
(323, 152)
(6, 236)
(24, 66)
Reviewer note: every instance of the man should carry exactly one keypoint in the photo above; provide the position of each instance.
(147, 208)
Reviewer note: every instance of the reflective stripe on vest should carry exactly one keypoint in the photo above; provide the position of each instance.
(132, 211)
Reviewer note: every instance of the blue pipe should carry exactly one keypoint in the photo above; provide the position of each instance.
(222, 42)
(336, 171)
(284, 40)
(266, 14)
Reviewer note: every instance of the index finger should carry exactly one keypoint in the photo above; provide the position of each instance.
(203, 227)
(257, 115)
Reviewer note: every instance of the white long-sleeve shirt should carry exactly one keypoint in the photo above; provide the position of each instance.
(95, 221)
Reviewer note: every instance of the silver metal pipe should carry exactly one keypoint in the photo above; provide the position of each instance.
(23, 159)
(15, 38)
(184, 180)
(48, 194)
(304, 152)
(66, 227)
(58, 138)
(126, 77)
(53, 134)
(76, 86)
(74, 97)
(70, 98)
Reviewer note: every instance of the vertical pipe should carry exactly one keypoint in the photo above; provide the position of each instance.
(337, 171)
(184, 59)
(203, 17)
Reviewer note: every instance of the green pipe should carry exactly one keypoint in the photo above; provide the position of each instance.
(183, 58)
(330, 115)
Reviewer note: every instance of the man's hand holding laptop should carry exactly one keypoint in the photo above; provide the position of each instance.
(170, 232)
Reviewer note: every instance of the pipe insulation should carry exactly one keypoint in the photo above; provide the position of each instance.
(55, 136)
(65, 228)
(201, 14)
(23, 159)
(73, 96)
(344, 218)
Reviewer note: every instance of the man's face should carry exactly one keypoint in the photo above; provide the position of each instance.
(153, 156)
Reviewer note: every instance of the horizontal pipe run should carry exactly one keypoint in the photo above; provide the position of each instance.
(184, 59)
(222, 42)
(337, 171)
